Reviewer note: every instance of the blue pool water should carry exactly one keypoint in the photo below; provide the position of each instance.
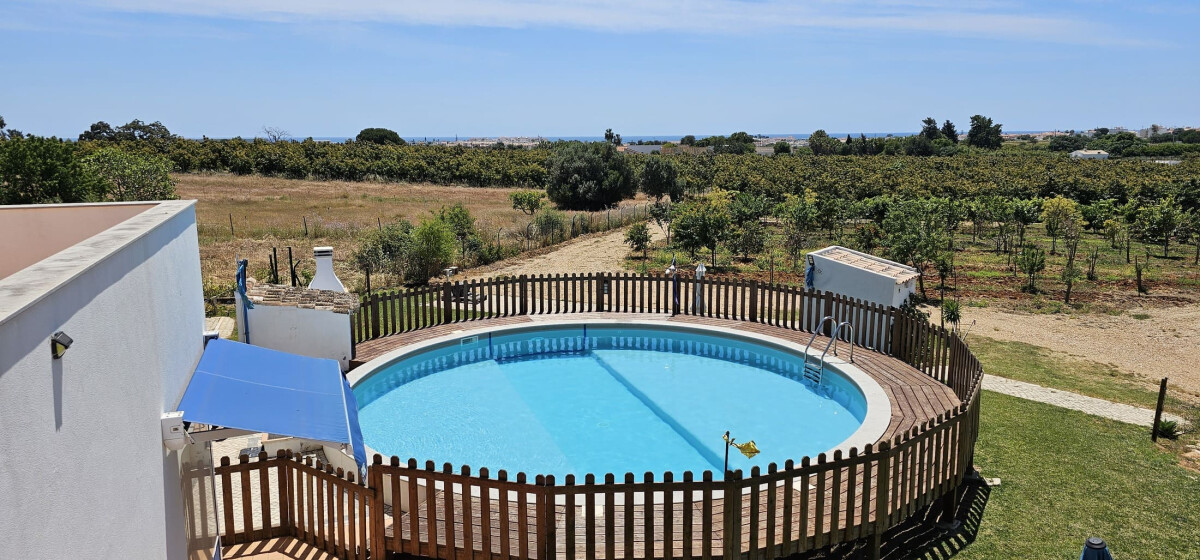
(603, 399)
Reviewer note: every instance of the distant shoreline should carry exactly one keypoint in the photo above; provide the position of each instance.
(626, 139)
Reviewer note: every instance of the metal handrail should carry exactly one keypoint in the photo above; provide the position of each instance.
(850, 339)
(817, 331)
(832, 339)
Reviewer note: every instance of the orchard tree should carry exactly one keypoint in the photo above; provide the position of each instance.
(638, 238)
(1059, 214)
(1031, 261)
(799, 215)
(663, 213)
(748, 239)
(782, 147)
(1157, 223)
(915, 235)
(703, 223)
(528, 201)
(984, 134)
(659, 179)
(589, 176)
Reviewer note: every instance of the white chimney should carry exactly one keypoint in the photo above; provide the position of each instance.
(325, 279)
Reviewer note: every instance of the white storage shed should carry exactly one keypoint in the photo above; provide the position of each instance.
(859, 275)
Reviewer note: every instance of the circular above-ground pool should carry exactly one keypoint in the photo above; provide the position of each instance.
(576, 398)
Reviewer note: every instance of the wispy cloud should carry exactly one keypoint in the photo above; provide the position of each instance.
(976, 18)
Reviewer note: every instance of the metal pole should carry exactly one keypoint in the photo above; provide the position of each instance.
(726, 471)
(1162, 395)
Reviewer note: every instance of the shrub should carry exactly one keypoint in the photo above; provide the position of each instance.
(1169, 429)
(431, 250)
(550, 224)
(36, 170)
(132, 176)
(638, 238)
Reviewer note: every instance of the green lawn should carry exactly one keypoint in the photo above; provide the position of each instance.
(1042, 366)
(1067, 476)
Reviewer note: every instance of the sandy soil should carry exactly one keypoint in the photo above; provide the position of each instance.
(603, 252)
(1164, 344)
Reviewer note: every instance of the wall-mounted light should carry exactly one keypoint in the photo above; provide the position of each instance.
(59, 342)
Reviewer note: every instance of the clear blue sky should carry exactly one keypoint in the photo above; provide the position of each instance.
(524, 67)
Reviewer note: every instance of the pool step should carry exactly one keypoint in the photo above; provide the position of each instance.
(812, 372)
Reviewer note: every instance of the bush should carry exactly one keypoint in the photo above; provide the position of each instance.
(132, 176)
(431, 250)
(1169, 429)
(550, 224)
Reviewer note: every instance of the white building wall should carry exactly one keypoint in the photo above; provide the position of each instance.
(83, 473)
(316, 333)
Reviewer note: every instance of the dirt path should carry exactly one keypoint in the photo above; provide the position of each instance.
(603, 252)
(1164, 343)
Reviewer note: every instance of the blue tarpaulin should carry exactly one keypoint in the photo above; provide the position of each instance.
(253, 388)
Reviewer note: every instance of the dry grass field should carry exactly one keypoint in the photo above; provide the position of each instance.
(273, 212)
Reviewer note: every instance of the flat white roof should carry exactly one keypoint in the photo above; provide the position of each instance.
(63, 241)
(878, 265)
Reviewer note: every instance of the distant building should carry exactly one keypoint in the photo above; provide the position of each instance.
(1089, 154)
(642, 148)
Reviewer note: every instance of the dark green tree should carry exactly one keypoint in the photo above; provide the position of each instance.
(984, 133)
(782, 147)
(588, 176)
(659, 179)
(379, 136)
(37, 170)
(929, 129)
(688, 140)
(949, 132)
(822, 145)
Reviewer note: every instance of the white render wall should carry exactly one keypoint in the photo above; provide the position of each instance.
(83, 473)
(841, 278)
(316, 333)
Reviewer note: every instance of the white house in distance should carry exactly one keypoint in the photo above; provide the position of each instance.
(1089, 154)
(83, 470)
(860, 275)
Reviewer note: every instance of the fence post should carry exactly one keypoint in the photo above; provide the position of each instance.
(882, 493)
(447, 303)
(1158, 410)
(521, 295)
(373, 310)
(378, 534)
(732, 516)
(754, 301)
(598, 289)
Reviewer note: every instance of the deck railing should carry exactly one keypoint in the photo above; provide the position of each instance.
(446, 513)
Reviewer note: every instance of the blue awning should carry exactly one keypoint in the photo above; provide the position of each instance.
(253, 388)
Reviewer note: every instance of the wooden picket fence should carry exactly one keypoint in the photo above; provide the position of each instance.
(444, 513)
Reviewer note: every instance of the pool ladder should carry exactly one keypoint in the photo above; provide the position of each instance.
(813, 370)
